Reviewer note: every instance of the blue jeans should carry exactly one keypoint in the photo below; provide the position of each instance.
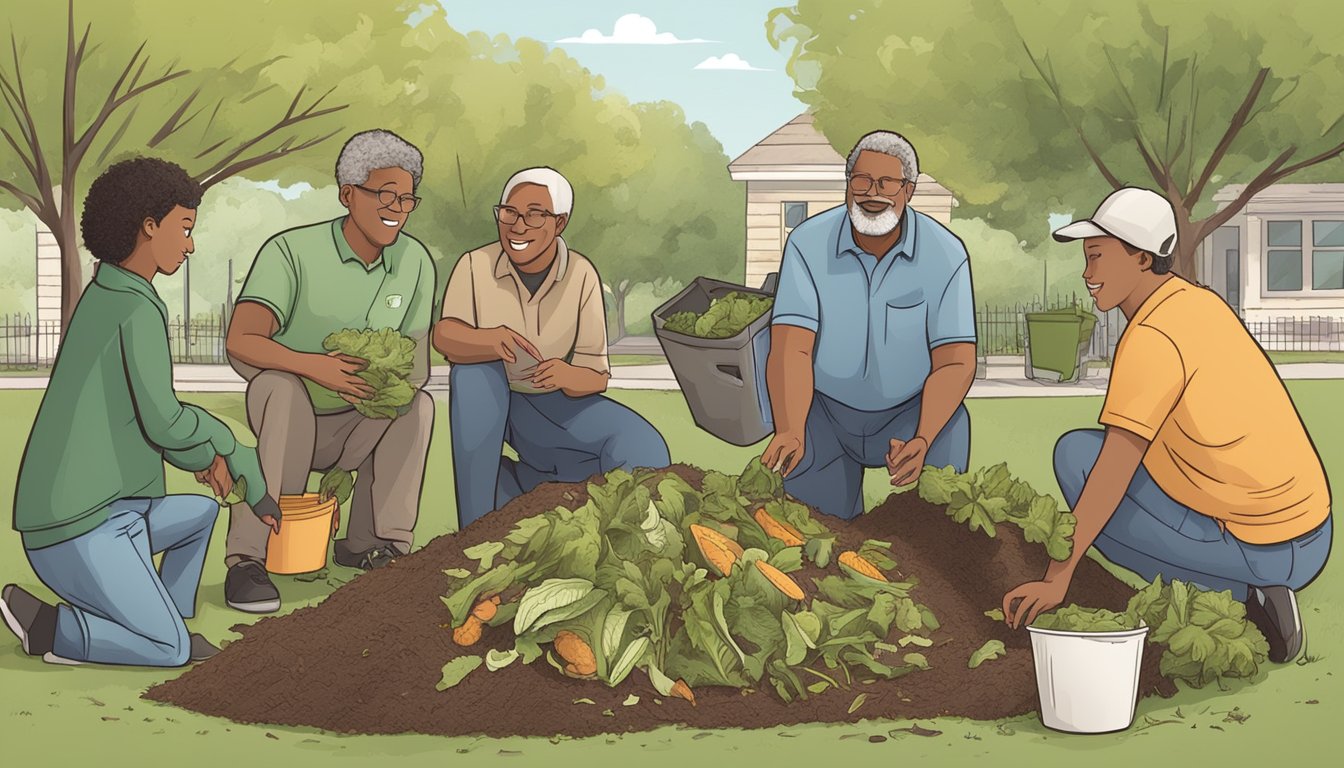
(558, 438)
(1152, 534)
(841, 442)
(119, 609)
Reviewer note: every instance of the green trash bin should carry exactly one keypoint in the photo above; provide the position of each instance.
(1057, 340)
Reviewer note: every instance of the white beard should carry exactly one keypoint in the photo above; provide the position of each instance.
(872, 225)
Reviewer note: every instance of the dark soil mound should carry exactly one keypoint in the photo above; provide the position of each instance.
(366, 659)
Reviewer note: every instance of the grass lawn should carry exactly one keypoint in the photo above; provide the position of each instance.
(61, 714)
(1279, 358)
(619, 360)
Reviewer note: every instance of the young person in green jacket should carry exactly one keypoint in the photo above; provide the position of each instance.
(90, 503)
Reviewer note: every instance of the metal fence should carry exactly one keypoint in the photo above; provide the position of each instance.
(26, 344)
(1299, 334)
(1002, 330)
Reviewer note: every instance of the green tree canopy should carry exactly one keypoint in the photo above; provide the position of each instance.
(1028, 108)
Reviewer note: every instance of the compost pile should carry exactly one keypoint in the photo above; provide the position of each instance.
(675, 597)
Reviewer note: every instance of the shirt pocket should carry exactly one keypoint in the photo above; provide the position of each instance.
(907, 331)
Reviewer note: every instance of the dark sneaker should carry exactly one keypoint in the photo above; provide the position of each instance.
(378, 557)
(201, 649)
(30, 619)
(1273, 610)
(248, 588)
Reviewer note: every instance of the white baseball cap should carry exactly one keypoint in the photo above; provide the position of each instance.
(1140, 217)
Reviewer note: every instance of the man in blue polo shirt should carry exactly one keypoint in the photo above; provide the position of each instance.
(873, 338)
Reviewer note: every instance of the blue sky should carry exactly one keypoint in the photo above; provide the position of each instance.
(740, 106)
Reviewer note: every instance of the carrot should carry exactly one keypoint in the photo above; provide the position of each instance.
(484, 610)
(681, 690)
(469, 633)
(578, 653)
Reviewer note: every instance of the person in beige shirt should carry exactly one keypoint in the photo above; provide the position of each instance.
(524, 326)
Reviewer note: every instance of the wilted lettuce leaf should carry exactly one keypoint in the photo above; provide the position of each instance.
(758, 482)
(992, 649)
(1075, 618)
(390, 357)
(726, 316)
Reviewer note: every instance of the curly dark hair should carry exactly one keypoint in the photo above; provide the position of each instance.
(125, 195)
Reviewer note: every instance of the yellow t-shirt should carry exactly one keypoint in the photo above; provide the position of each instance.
(1226, 440)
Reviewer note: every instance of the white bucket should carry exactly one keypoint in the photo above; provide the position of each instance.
(1088, 681)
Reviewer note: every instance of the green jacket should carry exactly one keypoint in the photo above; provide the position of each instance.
(110, 418)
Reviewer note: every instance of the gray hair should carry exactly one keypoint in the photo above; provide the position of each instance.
(887, 143)
(562, 193)
(369, 151)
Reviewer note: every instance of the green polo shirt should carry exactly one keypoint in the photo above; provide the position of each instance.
(314, 284)
(110, 418)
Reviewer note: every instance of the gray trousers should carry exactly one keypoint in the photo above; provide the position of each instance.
(387, 455)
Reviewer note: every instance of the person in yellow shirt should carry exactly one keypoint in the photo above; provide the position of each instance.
(1205, 471)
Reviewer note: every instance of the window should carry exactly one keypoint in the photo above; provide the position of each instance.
(1284, 257)
(1327, 255)
(1304, 256)
(794, 214)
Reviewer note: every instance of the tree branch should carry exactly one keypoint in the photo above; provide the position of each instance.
(1053, 85)
(1234, 127)
(290, 119)
(1267, 176)
(115, 101)
(175, 123)
(287, 148)
(23, 116)
(31, 202)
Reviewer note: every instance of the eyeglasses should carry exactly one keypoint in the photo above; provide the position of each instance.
(389, 198)
(533, 219)
(862, 184)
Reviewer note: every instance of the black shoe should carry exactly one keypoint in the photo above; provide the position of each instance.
(33, 621)
(248, 588)
(201, 649)
(378, 557)
(1274, 612)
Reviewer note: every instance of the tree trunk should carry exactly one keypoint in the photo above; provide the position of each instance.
(67, 237)
(618, 296)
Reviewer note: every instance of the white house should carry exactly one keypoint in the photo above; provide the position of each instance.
(1282, 256)
(794, 173)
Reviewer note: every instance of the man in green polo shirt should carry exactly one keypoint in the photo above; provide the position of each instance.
(360, 271)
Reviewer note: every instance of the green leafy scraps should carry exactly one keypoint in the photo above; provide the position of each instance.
(726, 316)
(390, 358)
(991, 650)
(456, 670)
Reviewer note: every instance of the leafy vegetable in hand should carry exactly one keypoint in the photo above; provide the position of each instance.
(336, 484)
(390, 360)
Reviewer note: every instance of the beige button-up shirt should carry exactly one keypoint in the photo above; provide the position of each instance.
(564, 319)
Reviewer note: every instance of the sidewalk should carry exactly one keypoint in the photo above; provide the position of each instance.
(1004, 377)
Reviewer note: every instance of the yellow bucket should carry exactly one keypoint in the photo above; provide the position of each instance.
(306, 528)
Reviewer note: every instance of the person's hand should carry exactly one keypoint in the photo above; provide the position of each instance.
(336, 372)
(268, 512)
(784, 453)
(905, 460)
(216, 477)
(1033, 599)
(555, 374)
(506, 342)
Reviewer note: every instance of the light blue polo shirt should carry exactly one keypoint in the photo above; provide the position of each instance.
(875, 320)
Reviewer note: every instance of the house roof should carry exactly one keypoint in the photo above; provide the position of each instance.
(798, 151)
(1283, 192)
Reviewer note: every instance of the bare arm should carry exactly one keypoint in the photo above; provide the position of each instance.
(950, 378)
(462, 343)
(789, 380)
(1121, 453)
(249, 341)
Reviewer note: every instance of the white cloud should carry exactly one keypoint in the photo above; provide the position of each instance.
(630, 29)
(728, 61)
